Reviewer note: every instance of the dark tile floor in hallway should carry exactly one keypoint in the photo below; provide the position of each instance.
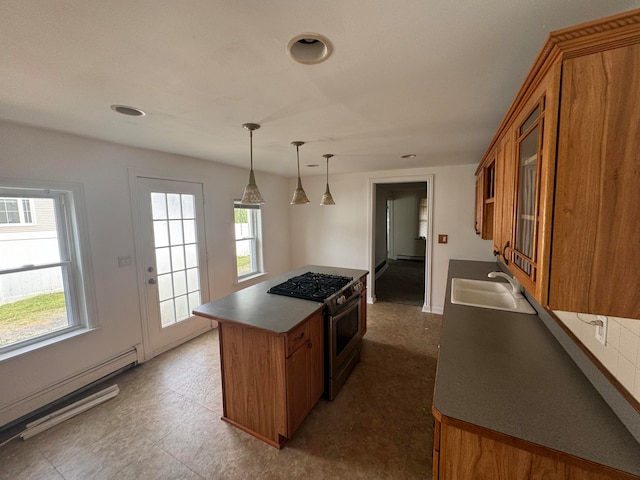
(165, 423)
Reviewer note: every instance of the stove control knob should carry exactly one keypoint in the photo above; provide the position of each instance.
(341, 299)
(358, 286)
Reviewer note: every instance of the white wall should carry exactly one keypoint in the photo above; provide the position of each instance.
(339, 235)
(103, 170)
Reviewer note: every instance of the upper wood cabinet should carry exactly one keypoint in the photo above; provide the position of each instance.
(595, 261)
(567, 172)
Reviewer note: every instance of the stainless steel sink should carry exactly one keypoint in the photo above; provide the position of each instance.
(486, 294)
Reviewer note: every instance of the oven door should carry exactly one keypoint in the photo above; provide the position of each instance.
(344, 333)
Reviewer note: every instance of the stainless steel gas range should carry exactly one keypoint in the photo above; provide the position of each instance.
(343, 339)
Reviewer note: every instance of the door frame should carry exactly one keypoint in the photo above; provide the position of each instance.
(371, 221)
(141, 281)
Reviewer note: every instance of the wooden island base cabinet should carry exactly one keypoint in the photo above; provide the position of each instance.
(270, 381)
(462, 451)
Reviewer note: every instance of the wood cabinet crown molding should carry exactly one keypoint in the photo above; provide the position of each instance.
(598, 35)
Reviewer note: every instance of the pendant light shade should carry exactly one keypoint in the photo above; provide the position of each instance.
(327, 199)
(251, 195)
(299, 197)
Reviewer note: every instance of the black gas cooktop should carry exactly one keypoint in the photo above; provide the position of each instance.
(311, 286)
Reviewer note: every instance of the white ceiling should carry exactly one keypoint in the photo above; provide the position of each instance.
(432, 78)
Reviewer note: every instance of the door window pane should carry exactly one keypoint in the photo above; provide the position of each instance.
(158, 206)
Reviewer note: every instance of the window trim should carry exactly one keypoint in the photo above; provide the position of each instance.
(75, 261)
(256, 244)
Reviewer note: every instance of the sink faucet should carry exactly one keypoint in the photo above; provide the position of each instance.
(516, 286)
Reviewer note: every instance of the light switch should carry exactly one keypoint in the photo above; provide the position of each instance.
(443, 238)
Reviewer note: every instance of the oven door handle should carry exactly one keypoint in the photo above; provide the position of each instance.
(345, 308)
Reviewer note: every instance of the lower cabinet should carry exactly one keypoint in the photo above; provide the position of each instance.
(462, 451)
(270, 381)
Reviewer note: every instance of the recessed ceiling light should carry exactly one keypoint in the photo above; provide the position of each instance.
(126, 110)
(409, 155)
(309, 48)
(313, 165)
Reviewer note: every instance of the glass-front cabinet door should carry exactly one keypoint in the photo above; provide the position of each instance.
(528, 152)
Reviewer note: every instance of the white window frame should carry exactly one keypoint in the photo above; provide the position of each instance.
(74, 260)
(257, 266)
(21, 213)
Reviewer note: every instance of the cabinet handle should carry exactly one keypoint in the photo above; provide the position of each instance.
(309, 345)
(504, 256)
(299, 337)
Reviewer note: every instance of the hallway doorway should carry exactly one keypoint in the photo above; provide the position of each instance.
(401, 240)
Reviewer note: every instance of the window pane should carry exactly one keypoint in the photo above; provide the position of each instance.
(194, 300)
(9, 210)
(244, 257)
(189, 231)
(163, 260)
(161, 233)
(191, 254)
(175, 232)
(165, 287)
(182, 308)
(179, 283)
(158, 206)
(188, 207)
(32, 303)
(177, 258)
(174, 205)
(26, 210)
(167, 313)
(193, 282)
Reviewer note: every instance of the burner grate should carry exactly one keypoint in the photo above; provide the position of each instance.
(311, 286)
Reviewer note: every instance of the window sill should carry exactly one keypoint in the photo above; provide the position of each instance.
(248, 278)
(44, 343)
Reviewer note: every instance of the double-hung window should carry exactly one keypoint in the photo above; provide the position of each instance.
(248, 230)
(42, 279)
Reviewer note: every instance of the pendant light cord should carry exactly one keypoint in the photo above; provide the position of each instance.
(298, 156)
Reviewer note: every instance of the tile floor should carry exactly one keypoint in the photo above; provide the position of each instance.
(165, 423)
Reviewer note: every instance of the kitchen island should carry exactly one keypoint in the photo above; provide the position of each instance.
(510, 403)
(272, 354)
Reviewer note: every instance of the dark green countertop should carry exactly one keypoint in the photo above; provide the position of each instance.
(254, 307)
(506, 372)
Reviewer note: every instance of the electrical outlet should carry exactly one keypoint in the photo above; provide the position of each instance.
(601, 330)
(443, 238)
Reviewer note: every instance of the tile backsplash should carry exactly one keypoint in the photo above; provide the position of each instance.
(621, 353)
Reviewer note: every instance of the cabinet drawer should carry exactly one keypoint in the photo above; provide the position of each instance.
(297, 337)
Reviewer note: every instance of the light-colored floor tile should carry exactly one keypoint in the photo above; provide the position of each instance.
(155, 464)
(19, 461)
(165, 423)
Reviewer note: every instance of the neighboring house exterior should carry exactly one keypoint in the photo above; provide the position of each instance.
(28, 236)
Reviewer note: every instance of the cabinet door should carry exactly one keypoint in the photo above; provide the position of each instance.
(298, 365)
(503, 217)
(596, 230)
(479, 186)
(533, 160)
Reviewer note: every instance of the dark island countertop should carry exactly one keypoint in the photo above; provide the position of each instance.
(254, 307)
(506, 372)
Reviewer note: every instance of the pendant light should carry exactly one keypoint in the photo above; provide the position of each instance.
(327, 199)
(299, 197)
(251, 195)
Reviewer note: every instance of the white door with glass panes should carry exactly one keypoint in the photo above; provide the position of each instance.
(174, 261)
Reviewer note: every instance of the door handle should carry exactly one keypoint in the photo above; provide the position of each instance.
(151, 281)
